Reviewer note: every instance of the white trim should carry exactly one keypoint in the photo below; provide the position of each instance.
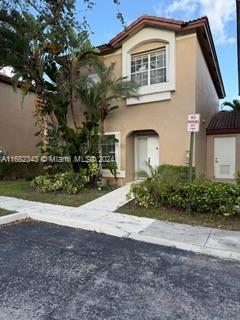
(147, 55)
(112, 132)
(135, 155)
(107, 174)
(148, 35)
(167, 62)
(117, 135)
(154, 88)
(162, 96)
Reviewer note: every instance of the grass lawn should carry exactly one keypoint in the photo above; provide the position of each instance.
(22, 189)
(171, 215)
(4, 212)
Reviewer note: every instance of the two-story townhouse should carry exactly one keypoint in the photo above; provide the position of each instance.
(176, 66)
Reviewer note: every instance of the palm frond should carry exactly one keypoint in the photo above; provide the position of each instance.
(235, 104)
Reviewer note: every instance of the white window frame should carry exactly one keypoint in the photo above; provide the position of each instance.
(149, 70)
(117, 152)
(159, 91)
(141, 56)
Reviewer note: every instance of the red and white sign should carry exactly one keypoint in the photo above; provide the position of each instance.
(193, 122)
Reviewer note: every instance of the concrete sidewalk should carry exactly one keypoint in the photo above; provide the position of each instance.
(110, 201)
(98, 216)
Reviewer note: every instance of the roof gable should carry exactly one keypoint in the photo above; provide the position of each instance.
(200, 26)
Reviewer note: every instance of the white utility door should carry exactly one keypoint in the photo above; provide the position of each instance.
(225, 158)
(146, 152)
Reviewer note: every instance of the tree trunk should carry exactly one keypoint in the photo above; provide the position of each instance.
(42, 121)
(101, 134)
(72, 111)
(70, 71)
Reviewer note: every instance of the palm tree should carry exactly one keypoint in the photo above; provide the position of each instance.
(43, 62)
(235, 104)
(100, 93)
(26, 51)
(77, 57)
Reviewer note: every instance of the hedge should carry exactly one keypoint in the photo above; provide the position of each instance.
(168, 186)
(19, 170)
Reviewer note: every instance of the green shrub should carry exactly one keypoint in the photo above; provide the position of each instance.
(93, 167)
(143, 194)
(168, 187)
(69, 182)
(112, 167)
(206, 196)
(171, 174)
(154, 190)
(19, 170)
(238, 177)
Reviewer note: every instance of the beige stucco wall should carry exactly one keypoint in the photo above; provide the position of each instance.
(17, 123)
(207, 103)
(194, 92)
(210, 152)
(167, 118)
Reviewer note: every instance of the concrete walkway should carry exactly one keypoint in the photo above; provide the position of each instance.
(98, 216)
(110, 201)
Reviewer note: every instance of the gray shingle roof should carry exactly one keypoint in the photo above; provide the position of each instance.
(224, 122)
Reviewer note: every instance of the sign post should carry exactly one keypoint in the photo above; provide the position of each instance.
(193, 125)
(190, 167)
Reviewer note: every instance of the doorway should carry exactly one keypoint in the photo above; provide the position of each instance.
(225, 157)
(146, 154)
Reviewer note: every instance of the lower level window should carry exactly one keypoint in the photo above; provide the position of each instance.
(109, 148)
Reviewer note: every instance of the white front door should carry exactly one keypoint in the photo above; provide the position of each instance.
(146, 153)
(225, 158)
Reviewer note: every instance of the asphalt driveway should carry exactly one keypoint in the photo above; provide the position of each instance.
(52, 272)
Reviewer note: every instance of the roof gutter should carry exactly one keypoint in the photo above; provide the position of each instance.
(212, 132)
(222, 95)
(201, 26)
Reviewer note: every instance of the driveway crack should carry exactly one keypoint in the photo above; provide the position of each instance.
(210, 233)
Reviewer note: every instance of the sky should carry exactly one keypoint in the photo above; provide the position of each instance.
(221, 13)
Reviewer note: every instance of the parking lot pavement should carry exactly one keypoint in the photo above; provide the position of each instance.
(50, 272)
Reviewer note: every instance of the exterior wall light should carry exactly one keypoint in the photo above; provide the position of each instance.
(187, 156)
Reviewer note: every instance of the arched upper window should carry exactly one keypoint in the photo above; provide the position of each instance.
(150, 67)
(148, 57)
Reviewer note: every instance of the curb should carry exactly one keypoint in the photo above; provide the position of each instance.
(14, 217)
(83, 224)
(95, 226)
(223, 254)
